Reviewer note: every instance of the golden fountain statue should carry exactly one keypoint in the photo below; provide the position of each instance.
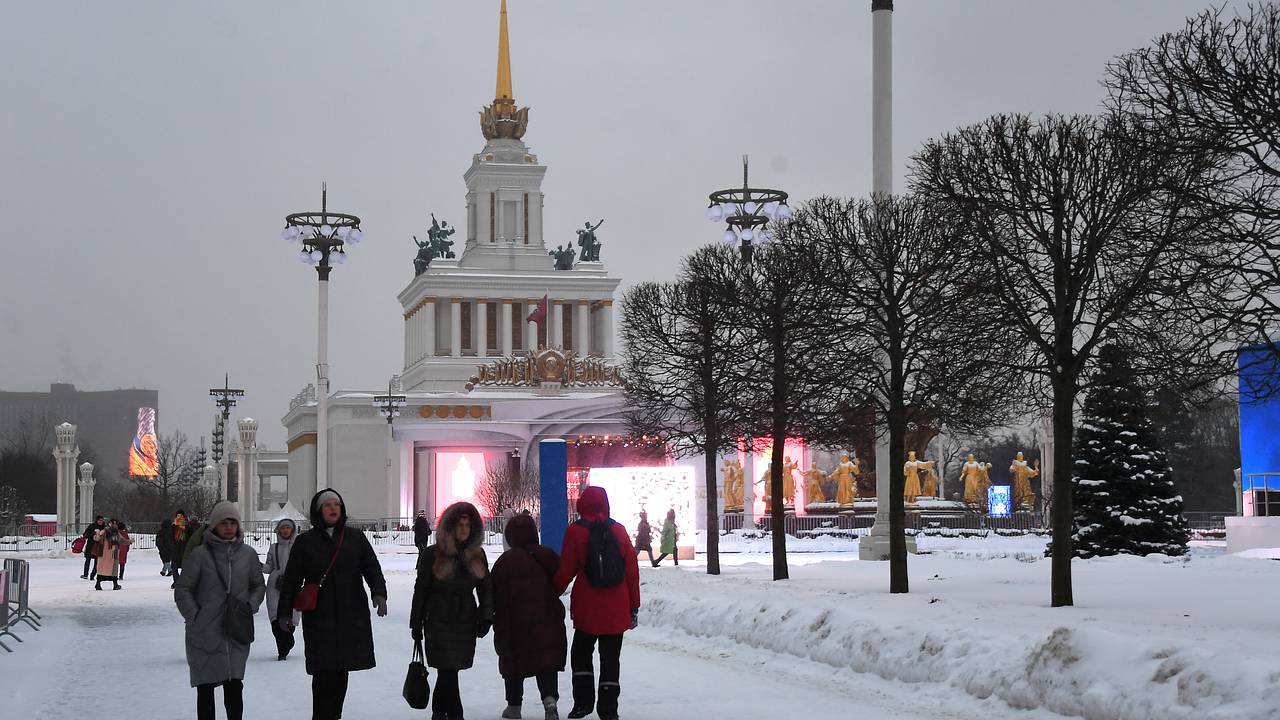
(1024, 498)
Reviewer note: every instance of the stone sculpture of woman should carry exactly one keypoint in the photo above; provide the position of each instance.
(913, 468)
(813, 478)
(976, 480)
(789, 468)
(733, 499)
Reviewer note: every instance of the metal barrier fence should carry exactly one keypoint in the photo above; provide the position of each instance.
(15, 588)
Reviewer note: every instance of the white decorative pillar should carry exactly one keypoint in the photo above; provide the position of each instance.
(557, 324)
(1046, 465)
(427, 342)
(875, 545)
(247, 485)
(582, 328)
(531, 337)
(480, 329)
(749, 488)
(211, 478)
(86, 494)
(606, 328)
(65, 454)
(455, 327)
(505, 329)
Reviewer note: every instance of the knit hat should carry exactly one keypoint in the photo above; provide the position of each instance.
(222, 511)
(325, 496)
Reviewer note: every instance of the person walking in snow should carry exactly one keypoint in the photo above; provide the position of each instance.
(125, 541)
(277, 561)
(604, 604)
(670, 533)
(182, 530)
(164, 545)
(528, 618)
(91, 547)
(224, 567)
(452, 603)
(421, 531)
(644, 536)
(107, 544)
(338, 633)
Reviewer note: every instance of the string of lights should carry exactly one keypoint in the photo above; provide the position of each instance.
(626, 441)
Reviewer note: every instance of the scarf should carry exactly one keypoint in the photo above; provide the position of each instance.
(180, 529)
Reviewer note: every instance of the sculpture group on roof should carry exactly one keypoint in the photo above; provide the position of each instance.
(437, 245)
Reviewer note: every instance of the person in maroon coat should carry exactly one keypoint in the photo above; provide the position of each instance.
(599, 613)
(528, 620)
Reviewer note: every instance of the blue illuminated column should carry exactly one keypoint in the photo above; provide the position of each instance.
(553, 470)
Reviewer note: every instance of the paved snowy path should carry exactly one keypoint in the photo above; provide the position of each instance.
(120, 654)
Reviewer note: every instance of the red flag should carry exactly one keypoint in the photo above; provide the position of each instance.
(539, 312)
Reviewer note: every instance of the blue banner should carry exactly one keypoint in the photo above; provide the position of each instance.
(553, 470)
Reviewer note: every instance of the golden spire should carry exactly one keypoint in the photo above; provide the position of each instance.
(504, 59)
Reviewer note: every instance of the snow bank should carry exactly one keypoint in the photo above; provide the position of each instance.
(1065, 661)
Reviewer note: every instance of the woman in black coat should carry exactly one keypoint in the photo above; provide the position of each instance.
(338, 632)
(452, 603)
(528, 617)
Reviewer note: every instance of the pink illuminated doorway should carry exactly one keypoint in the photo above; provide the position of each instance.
(762, 451)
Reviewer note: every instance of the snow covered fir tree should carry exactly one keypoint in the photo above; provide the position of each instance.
(1123, 492)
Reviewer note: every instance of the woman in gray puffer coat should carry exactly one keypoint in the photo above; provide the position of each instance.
(222, 562)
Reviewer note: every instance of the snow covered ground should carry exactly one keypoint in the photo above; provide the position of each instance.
(975, 639)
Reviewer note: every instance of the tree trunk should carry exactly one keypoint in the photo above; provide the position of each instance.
(1062, 522)
(711, 451)
(897, 580)
(777, 518)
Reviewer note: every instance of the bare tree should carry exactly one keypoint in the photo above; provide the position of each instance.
(914, 336)
(1082, 226)
(792, 373)
(682, 344)
(1214, 87)
(503, 487)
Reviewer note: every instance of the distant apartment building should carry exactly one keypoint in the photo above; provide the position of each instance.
(105, 419)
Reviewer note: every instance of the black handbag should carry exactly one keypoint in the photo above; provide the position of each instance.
(237, 619)
(417, 686)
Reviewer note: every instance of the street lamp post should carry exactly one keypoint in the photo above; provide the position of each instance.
(389, 405)
(746, 211)
(324, 237)
(226, 396)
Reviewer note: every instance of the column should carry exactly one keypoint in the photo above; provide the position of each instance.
(427, 332)
(504, 334)
(409, 320)
(556, 338)
(480, 329)
(749, 487)
(247, 491)
(86, 494)
(606, 328)
(582, 328)
(65, 454)
(455, 327)
(531, 334)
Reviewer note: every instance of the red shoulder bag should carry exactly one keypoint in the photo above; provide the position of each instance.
(309, 595)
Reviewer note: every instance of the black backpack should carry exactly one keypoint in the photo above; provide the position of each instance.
(604, 563)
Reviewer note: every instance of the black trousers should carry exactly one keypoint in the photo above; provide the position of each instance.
(232, 700)
(445, 698)
(328, 692)
(645, 548)
(120, 574)
(284, 639)
(663, 556)
(580, 659)
(90, 564)
(547, 687)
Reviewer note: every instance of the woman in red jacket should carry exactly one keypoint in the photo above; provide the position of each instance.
(599, 613)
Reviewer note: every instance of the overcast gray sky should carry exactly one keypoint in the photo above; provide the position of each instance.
(150, 149)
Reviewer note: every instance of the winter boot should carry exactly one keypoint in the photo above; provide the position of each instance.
(512, 711)
(549, 709)
(607, 706)
(584, 695)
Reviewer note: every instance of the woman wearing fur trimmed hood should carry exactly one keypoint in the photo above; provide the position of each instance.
(452, 603)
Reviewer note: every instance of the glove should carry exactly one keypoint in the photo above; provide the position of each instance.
(635, 618)
(482, 628)
(380, 603)
(285, 624)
